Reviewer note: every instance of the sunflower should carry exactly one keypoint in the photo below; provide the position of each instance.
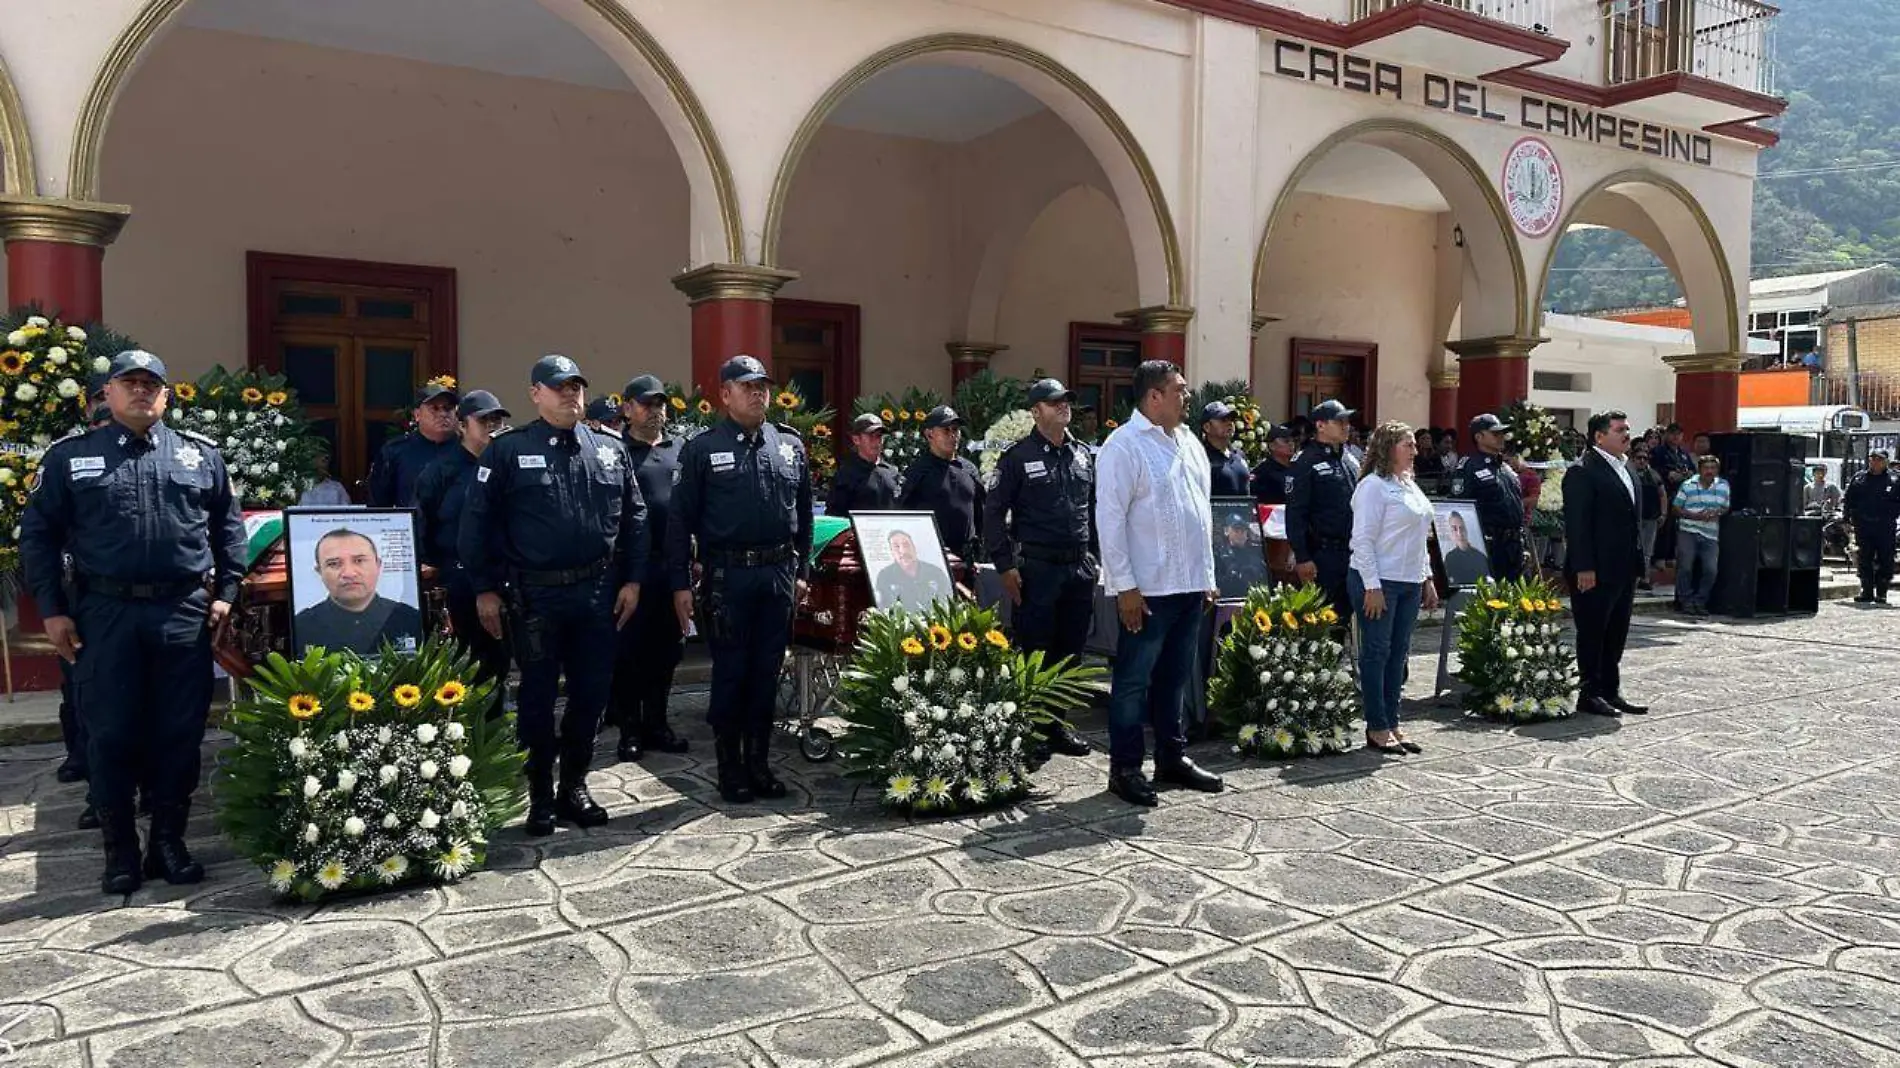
(1311, 618)
(12, 362)
(940, 637)
(704, 407)
(966, 642)
(912, 647)
(1111, 424)
(903, 415)
(408, 695)
(997, 638)
(1292, 621)
(887, 415)
(1262, 620)
(304, 706)
(1525, 604)
(252, 395)
(276, 398)
(821, 430)
(678, 403)
(361, 702)
(920, 416)
(445, 381)
(1496, 605)
(450, 693)
(186, 391)
(787, 399)
(1329, 617)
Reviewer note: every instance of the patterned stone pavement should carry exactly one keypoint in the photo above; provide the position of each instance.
(1718, 883)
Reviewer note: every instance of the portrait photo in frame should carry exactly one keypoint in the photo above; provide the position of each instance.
(1240, 555)
(355, 579)
(1460, 542)
(904, 558)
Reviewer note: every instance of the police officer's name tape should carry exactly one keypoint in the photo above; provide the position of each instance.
(17, 449)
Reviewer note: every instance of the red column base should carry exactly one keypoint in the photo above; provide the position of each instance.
(1444, 410)
(1489, 385)
(1707, 401)
(65, 279)
(724, 328)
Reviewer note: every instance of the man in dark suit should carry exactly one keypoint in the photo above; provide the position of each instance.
(1602, 562)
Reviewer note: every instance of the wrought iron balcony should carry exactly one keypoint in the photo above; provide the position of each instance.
(1725, 41)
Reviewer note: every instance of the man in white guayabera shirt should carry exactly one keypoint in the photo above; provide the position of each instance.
(1155, 522)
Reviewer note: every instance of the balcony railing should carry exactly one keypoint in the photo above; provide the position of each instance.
(1728, 41)
(1529, 14)
(1874, 392)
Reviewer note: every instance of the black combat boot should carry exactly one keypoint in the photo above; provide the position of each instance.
(758, 765)
(165, 853)
(120, 829)
(574, 804)
(656, 735)
(540, 821)
(629, 749)
(733, 786)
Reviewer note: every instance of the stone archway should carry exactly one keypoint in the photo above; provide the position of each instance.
(16, 147)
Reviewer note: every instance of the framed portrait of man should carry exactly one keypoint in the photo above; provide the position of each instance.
(355, 580)
(1460, 542)
(903, 555)
(1240, 556)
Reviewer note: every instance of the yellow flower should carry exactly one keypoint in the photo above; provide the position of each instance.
(186, 391)
(1262, 620)
(252, 395)
(705, 407)
(408, 695)
(12, 363)
(445, 381)
(912, 647)
(997, 638)
(1292, 621)
(304, 706)
(361, 702)
(1525, 604)
(903, 416)
(34, 331)
(787, 399)
(1311, 619)
(1329, 617)
(450, 693)
(967, 642)
(886, 413)
(940, 637)
(822, 430)
(679, 403)
(276, 398)
(920, 416)
(1111, 424)
(1494, 604)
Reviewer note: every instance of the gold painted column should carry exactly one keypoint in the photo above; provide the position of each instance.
(967, 358)
(732, 315)
(56, 253)
(1708, 391)
(1163, 331)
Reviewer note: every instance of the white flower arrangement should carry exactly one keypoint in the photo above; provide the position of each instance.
(1002, 434)
(1511, 655)
(1301, 703)
(266, 445)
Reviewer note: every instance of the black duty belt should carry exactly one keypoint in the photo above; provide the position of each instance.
(140, 591)
(1053, 554)
(1506, 534)
(760, 557)
(1321, 542)
(571, 577)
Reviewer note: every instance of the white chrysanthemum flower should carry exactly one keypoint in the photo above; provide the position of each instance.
(393, 868)
(1258, 652)
(1248, 733)
(459, 765)
(455, 863)
(56, 356)
(17, 338)
(354, 827)
(100, 365)
(26, 391)
(67, 388)
(425, 733)
(332, 875)
(73, 333)
(38, 320)
(282, 874)
(957, 676)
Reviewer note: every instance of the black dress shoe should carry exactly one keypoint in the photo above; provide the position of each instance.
(1597, 706)
(88, 818)
(1064, 740)
(661, 739)
(1389, 748)
(68, 771)
(1185, 772)
(540, 821)
(1133, 787)
(577, 806)
(628, 750)
(1628, 709)
(1411, 747)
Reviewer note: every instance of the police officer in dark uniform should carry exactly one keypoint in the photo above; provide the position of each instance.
(1229, 465)
(556, 517)
(744, 493)
(72, 729)
(1873, 505)
(603, 413)
(1319, 505)
(1039, 528)
(157, 544)
(653, 643)
(942, 480)
(441, 498)
(1269, 475)
(392, 478)
(866, 482)
(1486, 478)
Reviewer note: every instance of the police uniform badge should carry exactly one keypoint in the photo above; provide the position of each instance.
(143, 359)
(564, 365)
(1081, 458)
(189, 457)
(609, 457)
(787, 451)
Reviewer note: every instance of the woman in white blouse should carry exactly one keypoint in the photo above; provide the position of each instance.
(1390, 579)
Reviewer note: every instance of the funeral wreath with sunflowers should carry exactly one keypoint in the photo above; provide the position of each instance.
(1280, 683)
(1512, 654)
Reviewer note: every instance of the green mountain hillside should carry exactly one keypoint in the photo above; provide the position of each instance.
(1829, 194)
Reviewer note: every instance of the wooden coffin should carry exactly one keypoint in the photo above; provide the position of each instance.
(837, 593)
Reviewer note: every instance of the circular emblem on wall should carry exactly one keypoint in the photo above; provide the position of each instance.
(1533, 187)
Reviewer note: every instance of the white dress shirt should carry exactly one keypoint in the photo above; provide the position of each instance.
(1390, 520)
(1622, 471)
(1154, 510)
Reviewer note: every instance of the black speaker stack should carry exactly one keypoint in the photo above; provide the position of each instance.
(1771, 553)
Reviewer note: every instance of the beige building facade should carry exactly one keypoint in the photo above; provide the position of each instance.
(1322, 197)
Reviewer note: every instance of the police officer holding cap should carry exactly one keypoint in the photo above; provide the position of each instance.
(1873, 505)
(942, 480)
(1319, 505)
(441, 498)
(392, 478)
(1485, 477)
(866, 482)
(556, 517)
(653, 643)
(744, 494)
(1039, 528)
(1228, 464)
(157, 544)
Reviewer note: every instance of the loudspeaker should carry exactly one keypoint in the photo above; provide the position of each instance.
(1763, 471)
(1804, 544)
(1752, 573)
(1771, 541)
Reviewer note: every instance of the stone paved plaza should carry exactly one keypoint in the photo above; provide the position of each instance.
(1717, 883)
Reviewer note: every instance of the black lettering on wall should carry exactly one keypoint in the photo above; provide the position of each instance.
(1357, 74)
(1525, 118)
(1388, 76)
(1484, 107)
(1322, 65)
(1652, 139)
(1626, 135)
(1606, 128)
(1704, 150)
(1284, 49)
(1461, 98)
(1678, 145)
(1437, 91)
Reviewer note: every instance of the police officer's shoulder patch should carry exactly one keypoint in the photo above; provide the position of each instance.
(501, 432)
(787, 428)
(204, 439)
(608, 431)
